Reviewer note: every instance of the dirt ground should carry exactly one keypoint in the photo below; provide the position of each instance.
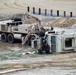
(15, 61)
(18, 6)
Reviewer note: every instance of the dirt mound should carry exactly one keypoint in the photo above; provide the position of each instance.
(63, 22)
(27, 19)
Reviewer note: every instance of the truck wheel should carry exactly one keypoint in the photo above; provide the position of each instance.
(40, 51)
(10, 38)
(3, 37)
(47, 49)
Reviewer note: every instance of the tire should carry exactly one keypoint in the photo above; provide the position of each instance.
(47, 49)
(3, 37)
(10, 38)
(40, 51)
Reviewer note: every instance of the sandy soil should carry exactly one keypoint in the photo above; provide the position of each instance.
(19, 6)
(47, 71)
(29, 65)
(14, 61)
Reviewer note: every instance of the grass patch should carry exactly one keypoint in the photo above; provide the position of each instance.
(16, 55)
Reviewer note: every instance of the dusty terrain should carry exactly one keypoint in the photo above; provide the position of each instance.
(15, 61)
(19, 6)
(63, 22)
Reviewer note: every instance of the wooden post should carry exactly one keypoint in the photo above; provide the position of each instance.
(28, 9)
(39, 11)
(71, 14)
(51, 12)
(45, 12)
(57, 13)
(64, 13)
(33, 10)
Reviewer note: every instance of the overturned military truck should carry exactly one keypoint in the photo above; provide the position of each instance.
(57, 40)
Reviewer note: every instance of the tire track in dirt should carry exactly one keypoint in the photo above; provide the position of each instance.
(12, 6)
(14, 67)
(2, 6)
(18, 5)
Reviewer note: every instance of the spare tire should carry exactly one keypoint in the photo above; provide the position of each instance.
(3, 37)
(10, 38)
